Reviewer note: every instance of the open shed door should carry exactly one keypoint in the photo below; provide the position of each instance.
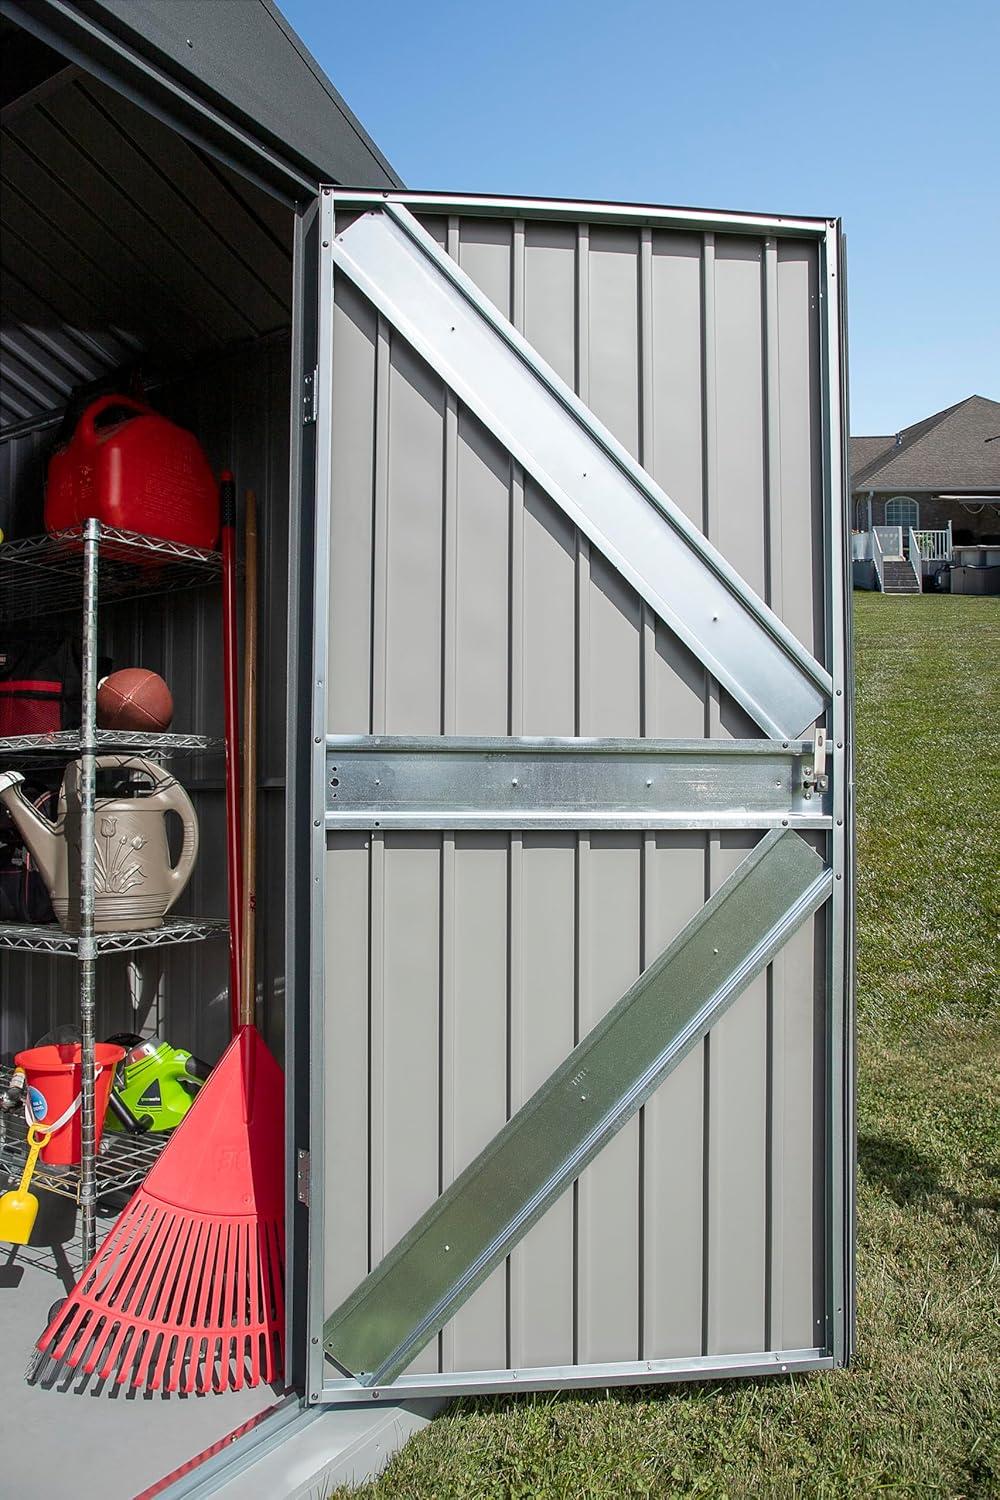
(580, 1019)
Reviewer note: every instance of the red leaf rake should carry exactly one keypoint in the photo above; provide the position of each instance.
(186, 1293)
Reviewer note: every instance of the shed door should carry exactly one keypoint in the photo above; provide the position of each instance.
(576, 852)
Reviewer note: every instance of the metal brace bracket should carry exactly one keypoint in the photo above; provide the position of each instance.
(814, 777)
(310, 389)
(302, 1177)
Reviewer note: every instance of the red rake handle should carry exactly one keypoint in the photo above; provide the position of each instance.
(230, 648)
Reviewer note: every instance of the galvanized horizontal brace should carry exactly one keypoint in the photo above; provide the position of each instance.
(388, 782)
(543, 425)
(580, 1377)
(487, 1210)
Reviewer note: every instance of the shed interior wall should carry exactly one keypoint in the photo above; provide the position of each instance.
(127, 250)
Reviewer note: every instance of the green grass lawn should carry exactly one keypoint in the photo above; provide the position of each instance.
(918, 1414)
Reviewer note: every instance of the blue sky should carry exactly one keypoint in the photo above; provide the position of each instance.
(884, 113)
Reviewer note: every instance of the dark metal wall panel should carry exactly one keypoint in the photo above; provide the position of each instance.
(239, 410)
(123, 243)
(462, 968)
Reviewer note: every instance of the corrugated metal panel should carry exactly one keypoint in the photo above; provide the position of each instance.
(123, 243)
(232, 70)
(462, 968)
(239, 409)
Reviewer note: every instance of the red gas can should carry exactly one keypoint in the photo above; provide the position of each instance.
(131, 468)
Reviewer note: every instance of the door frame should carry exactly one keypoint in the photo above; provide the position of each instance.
(312, 461)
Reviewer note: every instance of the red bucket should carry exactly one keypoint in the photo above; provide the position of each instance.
(53, 1077)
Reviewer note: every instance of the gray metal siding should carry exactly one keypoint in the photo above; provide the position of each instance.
(462, 968)
(239, 409)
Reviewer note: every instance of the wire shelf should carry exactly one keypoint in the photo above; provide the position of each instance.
(63, 743)
(122, 1160)
(54, 939)
(43, 575)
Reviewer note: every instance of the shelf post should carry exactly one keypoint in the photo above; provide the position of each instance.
(86, 947)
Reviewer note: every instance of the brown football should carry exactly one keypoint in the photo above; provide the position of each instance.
(134, 698)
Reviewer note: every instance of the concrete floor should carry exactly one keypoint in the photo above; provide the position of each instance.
(71, 1434)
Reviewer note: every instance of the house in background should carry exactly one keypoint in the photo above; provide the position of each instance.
(926, 503)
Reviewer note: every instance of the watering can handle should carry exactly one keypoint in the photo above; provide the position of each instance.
(176, 798)
(172, 797)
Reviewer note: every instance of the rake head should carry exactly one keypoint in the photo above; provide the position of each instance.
(187, 1291)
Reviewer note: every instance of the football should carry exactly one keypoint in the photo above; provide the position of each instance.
(134, 698)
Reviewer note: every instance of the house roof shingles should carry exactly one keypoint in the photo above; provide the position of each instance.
(955, 449)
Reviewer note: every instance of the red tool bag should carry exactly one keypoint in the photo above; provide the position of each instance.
(129, 467)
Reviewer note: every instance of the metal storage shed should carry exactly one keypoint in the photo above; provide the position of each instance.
(542, 738)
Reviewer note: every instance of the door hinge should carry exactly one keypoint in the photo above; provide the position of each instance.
(814, 777)
(310, 387)
(302, 1177)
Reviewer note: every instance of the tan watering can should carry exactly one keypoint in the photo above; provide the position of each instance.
(135, 884)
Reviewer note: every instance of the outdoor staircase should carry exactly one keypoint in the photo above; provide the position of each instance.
(898, 577)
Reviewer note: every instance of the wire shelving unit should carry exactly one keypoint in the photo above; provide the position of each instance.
(83, 570)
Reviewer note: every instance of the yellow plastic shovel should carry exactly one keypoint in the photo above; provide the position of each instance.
(19, 1207)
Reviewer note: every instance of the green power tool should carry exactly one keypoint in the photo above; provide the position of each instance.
(157, 1082)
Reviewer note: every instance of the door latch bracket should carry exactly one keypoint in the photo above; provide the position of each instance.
(814, 777)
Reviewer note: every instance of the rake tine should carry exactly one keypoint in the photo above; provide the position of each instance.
(240, 1281)
(103, 1337)
(140, 1374)
(72, 1325)
(115, 1350)
(160, 1372)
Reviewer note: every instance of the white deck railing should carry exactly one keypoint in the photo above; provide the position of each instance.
(914, 559)
(877, 558)
(934, 546)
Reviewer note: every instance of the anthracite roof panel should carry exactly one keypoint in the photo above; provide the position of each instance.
(240, 58)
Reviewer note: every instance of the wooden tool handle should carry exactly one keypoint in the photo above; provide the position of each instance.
(248, 978)
(230, 646)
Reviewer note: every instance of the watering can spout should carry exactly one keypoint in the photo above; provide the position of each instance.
(41, 836)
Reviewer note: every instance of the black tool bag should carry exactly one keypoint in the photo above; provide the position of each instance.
(40, 683)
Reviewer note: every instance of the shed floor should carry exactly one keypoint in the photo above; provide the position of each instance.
(72, 1434)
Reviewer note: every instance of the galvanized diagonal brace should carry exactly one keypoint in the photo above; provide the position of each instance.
(451, 1250)
(480, 356)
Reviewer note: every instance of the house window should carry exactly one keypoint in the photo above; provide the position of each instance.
(902, 511)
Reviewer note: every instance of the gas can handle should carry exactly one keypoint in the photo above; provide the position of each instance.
(106, 403)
